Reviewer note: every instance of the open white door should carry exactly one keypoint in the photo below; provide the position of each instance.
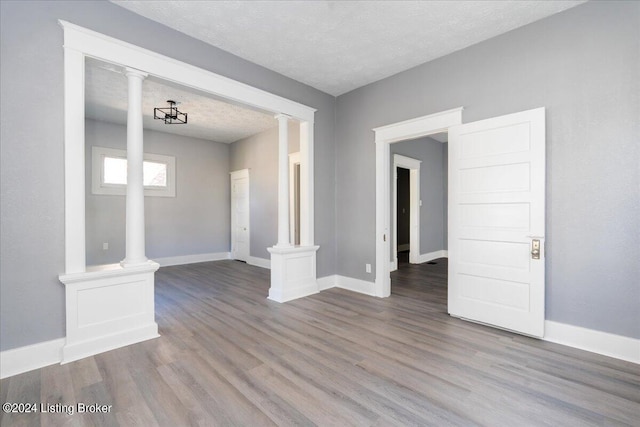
(240, 215)
(497, 221)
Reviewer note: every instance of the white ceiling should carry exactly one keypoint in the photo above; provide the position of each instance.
(334, 46)
(208, 118)
(338, 46)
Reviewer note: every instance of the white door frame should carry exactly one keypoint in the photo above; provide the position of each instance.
(80, 43)
(414, 208)
(384, 136)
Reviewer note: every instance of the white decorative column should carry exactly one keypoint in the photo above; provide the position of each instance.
(284, 239)
(134, 247)
(111, 306)
(293, 268)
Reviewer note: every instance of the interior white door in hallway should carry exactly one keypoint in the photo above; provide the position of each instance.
(497, 221)
(240, 242)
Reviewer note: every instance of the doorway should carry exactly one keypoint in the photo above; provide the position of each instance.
(403, 217)
(406, 209)
(384, 137)
(240, 215)
(496, 215)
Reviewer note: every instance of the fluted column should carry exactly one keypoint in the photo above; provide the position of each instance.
(135, 250)
(284, 240)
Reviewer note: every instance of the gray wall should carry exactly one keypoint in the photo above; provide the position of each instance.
(31, 148)
(196, 221)
(259, 154)
(583, 65)
(433, 171)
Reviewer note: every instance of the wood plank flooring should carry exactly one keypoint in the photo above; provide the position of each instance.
(227, 356)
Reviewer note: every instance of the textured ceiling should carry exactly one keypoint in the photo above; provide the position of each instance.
(208, 118)
(338, 46)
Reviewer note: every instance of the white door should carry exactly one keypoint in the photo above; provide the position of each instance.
(240, 215)
(496, 216)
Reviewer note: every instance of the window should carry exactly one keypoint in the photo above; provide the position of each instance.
(109, 174)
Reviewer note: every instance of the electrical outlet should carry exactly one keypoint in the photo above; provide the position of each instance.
(105, 246)
(367, 268)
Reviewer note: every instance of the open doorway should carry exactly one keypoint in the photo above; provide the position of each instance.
(406, 207)
(403, 216)
(419, 200)
(385, 138)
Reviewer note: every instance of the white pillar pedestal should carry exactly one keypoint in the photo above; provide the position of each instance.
(108, 307)
(293, 272)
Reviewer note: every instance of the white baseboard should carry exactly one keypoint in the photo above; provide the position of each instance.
(327, 282)
(191, 259)
(24, 359)
(102, 344)
(433, 255)
(279, 295)
(259, 262)
(393, 266)
(604, 343)
(355, 285)
(348, 283)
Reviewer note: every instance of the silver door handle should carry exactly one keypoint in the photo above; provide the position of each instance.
(535, 249)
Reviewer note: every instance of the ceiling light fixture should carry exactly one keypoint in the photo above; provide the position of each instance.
(170, 115)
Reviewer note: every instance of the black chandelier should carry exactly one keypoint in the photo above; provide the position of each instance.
(170, 115)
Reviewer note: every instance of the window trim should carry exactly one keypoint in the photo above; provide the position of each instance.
(99, 187)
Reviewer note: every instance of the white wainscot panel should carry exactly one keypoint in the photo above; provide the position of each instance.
(298, 268)
(114, 301)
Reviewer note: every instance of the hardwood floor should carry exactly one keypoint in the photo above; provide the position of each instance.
(228, 356)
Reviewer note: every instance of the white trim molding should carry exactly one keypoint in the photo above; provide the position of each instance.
(327, 282)
(259, 262)
(24, 359)
(599, 342)
(118, 52)
(430, 256)
(355, 285)
(192, 259)
(347, 283)
(384, 136)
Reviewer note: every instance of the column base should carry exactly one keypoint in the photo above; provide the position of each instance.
(108, 307)
(293, 272)
(128, 264)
